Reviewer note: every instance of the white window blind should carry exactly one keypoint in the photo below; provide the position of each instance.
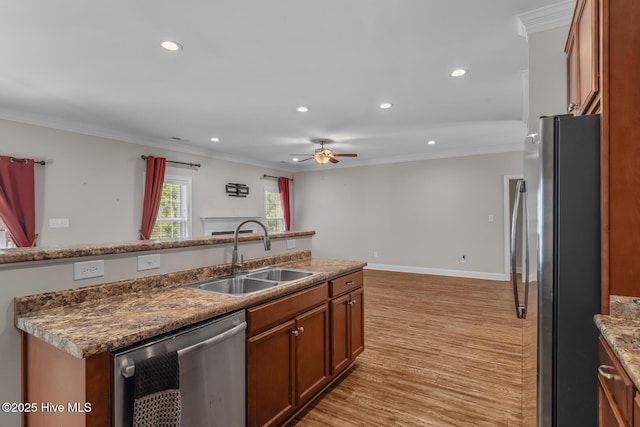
(174, 215)
(273, 208)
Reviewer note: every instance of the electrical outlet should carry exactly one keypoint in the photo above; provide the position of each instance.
(148, 262)
(88, 269)
(375, 254)
(58, 222)
(291, 244)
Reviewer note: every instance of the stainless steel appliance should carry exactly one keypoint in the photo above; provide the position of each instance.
(561, 197)
(212, 372)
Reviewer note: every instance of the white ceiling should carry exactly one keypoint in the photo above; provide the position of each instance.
(97, 68)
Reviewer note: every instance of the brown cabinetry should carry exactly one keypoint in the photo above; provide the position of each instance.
(347, 320)
(288, 363)
(615, 391)
(582, 48)
(602, 65)
(297, 344)
(621, 148)
(63, 384)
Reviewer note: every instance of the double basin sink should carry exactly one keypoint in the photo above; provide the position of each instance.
(252, 281)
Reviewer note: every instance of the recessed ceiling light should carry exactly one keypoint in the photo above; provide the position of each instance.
(386, 105)
(214, 139)
(459, 72)
(431, 142)
(302, 109)
(171, 45)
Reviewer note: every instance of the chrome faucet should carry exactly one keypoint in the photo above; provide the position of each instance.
(234, 258)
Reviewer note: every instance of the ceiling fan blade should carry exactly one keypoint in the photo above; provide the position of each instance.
(332, 160)
(345, 154)
(304, 160)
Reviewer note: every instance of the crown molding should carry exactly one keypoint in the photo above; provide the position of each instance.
(546, 18)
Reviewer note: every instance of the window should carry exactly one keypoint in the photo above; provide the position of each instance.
(174, 215)
(5, 240)
(273, 208)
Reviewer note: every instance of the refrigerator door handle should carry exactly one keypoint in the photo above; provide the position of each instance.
(521, 309)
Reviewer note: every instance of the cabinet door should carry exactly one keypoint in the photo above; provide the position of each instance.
(573, 97)
(356, 320)
(608, 413)
(583, 82)
(340, 333)
(312, 352)
(270, 375)
(587, 39)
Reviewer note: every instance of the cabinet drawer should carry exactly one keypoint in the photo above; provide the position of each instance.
(615, 380)
(343, 284)
(267, 315)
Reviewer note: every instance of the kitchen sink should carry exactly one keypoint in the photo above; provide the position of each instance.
(233, 285)
(252, 281)
(280, 274)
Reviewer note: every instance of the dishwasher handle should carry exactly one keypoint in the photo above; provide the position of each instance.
(130, 370)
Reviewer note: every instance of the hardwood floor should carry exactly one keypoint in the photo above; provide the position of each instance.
(440, 351)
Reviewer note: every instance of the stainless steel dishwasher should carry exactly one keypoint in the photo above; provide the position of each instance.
(211, 357)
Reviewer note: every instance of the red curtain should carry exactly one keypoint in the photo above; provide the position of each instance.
(17, 200)
(283, 187)
(152, 193)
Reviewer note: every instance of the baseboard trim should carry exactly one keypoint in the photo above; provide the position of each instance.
(437, 271)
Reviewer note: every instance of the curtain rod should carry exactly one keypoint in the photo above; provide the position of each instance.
(273, 177)
(191, 165)
(40, 162)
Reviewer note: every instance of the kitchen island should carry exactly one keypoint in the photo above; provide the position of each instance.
(74, 331)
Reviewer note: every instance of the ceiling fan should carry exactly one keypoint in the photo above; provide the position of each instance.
(324, 155)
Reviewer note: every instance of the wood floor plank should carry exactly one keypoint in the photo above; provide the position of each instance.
(440, 351)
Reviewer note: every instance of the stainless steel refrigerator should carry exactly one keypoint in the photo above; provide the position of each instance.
(560, 197)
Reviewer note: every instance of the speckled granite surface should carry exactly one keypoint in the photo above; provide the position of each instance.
(624, 307)
(91, 320)
(623, 336)
(47, 253)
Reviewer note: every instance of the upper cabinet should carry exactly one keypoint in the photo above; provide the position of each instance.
(621, 146)
(603, 59)
(582, 48)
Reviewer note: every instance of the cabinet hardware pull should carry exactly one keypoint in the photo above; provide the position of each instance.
(607, 375)
(301, 329)
(295, 332)
(352, 302)
(349, 283)
(572, 107)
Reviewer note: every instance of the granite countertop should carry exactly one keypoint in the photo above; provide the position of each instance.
(89, 321)
(621, 330)
(13, 255)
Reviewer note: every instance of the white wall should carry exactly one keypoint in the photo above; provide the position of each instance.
(547, 75)
(98, 183)
(418, 216)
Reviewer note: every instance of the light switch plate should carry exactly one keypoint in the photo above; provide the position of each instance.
(291, 244)
(88, 269)
(58, 222)
(148, 262)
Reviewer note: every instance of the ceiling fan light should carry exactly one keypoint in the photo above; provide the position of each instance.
(321, 158)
